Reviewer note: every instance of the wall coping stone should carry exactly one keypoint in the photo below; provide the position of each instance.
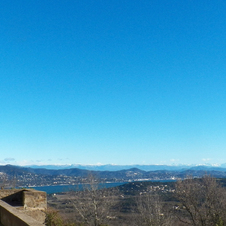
(10, 216)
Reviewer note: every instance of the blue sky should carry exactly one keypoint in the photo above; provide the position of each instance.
(113, 82)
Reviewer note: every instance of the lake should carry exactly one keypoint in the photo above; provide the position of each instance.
(77, 187)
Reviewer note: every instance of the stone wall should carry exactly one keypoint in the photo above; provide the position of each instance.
(29, 202)
(34, 199)
(10, 216)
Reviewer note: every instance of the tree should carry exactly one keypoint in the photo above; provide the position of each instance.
(202, 202)
(152, 211)
(53, 218)
(93, 204)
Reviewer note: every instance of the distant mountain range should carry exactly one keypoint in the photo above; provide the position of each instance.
(111, 167)
(28, 176)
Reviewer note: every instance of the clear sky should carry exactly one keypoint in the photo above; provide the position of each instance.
(113, 82)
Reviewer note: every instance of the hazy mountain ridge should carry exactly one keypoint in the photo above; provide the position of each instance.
(132, 173)
(27, 176)
(111, 167)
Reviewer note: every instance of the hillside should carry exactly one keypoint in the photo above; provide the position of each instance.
(26, 176)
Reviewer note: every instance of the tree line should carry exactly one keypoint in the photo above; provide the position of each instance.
(198, 202)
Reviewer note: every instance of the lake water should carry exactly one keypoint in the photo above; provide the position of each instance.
(65, 188)
(77, 187)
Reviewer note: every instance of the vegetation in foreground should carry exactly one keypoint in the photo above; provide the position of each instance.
(198, 202)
